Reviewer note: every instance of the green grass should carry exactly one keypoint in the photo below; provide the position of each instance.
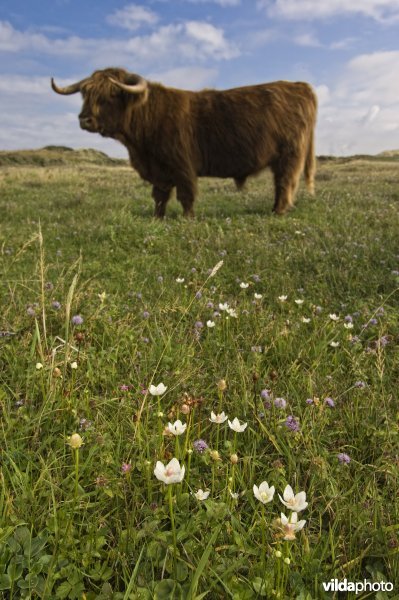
(73, 525)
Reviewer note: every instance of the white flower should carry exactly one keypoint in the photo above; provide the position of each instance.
(74, 365)
(221, 418)
(296, 502)
(299, 302)
(210, 324)
(348, 325)
(157, 390)
(282, 298)
(180, 280)
(231, 312)
(177, 428)
(334, 317)
(224, 306)
(172, 473)
(305, 320)
(334, 344)
(102, 296)
(258, 296)
(39, 366)
(234, 495)
(201, 495)
(243, 285)
(236, 426)
(264, 493)
(291, 525)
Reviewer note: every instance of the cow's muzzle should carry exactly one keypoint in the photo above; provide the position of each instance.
(87, 123)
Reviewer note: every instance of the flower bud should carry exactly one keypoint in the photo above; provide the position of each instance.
(75, 441)
(222, 385)
(234, 459)
(214, 454)
(185, 409)
(287, 560)
(39, 366)
(278, 554)
(57, 372)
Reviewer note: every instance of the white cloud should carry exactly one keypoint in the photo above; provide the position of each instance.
(223, 3)
(132, 17)
(307, 39)
(190, 41)
(381, 10)
(189, 78)
(359, 112)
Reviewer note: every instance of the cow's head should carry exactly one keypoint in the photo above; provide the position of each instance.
(105, 99)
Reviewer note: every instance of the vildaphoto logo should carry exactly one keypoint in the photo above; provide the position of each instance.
(335, 585)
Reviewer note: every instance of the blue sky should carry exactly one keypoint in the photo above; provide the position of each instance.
(347, 49)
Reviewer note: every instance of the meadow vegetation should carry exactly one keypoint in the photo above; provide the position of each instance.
(288, 324)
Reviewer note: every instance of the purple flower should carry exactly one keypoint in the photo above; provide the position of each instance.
(210, 305)
(160, 279)
(310, 401)
(348, 319)
(85, 424)
(355, 339)
(31, 311)
(292, 423)
(77, 320)
(318, 310)
(198, 325)
(124, 387)
(48, 286)
(344, 458)
(265, 394)
(329, 402)
(146, 314)
(56, 305)
(280, 403)
(373, 322)
(198, 295)
(383, 341)
(256, 278)
(200, 446)
(126, 468)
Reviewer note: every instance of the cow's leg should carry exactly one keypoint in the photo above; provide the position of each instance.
(286, 178)
(240, 183)
(161, 197)
(185, 193)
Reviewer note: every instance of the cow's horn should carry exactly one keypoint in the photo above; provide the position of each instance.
(137, 88)
(69, 89)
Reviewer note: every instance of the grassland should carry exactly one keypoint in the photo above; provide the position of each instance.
(314, 376)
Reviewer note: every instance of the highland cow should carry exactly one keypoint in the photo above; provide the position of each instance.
(174, 136)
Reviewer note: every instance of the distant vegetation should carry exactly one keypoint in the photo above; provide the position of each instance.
(57, 155)
(295, 333)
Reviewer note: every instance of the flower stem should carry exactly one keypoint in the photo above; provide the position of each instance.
(172, 522)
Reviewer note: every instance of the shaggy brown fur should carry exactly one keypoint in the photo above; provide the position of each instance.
(174, 136)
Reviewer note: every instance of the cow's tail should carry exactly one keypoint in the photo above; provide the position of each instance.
(310, 164)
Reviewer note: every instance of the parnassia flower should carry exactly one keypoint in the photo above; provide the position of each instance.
(220, 418)
(295, 502)
(236, 426)
(258, 296)
(291, 525)
(334, 317)
(171, 473)
(244, 285)
(264, 493)
(282, 298)
(180, 280)
(210, 324)
(177, 428)
(201, 495)
(157, 390)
